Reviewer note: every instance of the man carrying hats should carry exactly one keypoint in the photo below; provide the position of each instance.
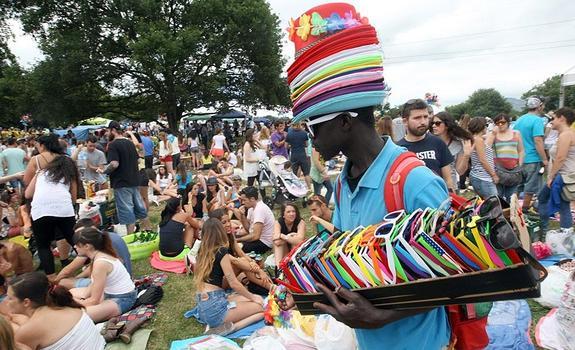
(336, 80)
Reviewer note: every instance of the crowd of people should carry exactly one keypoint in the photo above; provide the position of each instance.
(212, 197)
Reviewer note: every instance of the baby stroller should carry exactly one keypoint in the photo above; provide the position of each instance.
(286, 186)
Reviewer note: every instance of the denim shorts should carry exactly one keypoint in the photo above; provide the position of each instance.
(124, 301)
(82, 282)
(532, 180)
(129, 205)
(212, 307)
(483, 188)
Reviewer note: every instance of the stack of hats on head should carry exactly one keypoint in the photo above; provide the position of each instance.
(338, 63)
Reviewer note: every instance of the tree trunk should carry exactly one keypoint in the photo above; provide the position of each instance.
(174, 120)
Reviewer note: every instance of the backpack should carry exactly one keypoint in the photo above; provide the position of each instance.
(394, 182)
(151, 296)
(467, 324)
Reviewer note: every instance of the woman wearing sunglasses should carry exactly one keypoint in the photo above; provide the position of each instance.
(508, 157)
(458, 140)
(483, 176)
(562, 166)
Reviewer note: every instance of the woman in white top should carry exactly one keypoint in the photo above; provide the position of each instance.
(165, 151)
(251, 158)
(53, 191)
(112, 291)
(562, 164)
(194, 146)
(219, 144)
(56, 321)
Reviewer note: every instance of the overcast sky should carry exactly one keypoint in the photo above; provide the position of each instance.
(509, 45)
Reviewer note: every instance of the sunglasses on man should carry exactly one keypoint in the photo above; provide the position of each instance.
(310, 123)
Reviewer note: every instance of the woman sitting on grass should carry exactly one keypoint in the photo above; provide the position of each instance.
(289, 231)
(183, 178)
(244, 266)
(214, 274)
(195, 201)
(56, 320)
(112, 291)
(214, 196)
(178, 231)
(155, 192)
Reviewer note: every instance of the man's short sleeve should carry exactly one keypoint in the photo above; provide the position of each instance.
(425, 190)
(259, 215)
(539, 127)
(113, 154)
(275, 137)
(101, 158)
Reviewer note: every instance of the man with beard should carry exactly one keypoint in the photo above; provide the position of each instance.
(427, 147)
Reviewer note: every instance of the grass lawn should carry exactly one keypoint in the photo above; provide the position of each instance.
(169, 323)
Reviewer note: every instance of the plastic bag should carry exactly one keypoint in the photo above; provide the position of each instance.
(561, 241)
(265, 339)
(553, 286)
(331, 334)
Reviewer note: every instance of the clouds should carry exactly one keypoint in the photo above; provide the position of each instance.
(512, 60)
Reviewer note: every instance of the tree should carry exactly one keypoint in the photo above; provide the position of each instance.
(174, 55)
(483, 102)
(550, 90)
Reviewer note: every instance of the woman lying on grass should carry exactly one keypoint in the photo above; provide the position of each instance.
(213, 274)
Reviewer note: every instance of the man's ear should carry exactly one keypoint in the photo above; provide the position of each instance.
(346, 123)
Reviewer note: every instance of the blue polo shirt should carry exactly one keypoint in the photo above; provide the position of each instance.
(148, 146)
(530, 126)
(365, 206)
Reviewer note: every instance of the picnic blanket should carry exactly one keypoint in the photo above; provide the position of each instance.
(139, 341)
(508, 326)
(183, 344)
(238, 334)
(168, 266)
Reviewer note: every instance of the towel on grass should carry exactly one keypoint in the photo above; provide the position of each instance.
(183, 344)
(508, 326)
(139, 341)
(168, 266)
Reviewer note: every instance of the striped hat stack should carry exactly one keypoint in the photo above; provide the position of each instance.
(338, 62)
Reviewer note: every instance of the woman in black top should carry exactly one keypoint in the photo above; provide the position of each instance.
(195, 201)
(176, 230)
(212, 275)
(289, 231)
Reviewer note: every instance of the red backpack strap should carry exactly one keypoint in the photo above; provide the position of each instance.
(337, 189)
(395, 180)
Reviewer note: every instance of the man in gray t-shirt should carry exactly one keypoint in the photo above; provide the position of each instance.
(95, 159)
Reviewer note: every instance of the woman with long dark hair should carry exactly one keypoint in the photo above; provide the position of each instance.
(48, 147)
(178, 231)
(53, 190)
(112, 291)
(458, 140)
(289, 231)
(56, 320)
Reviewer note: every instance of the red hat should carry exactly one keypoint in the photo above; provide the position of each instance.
(321, 22)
